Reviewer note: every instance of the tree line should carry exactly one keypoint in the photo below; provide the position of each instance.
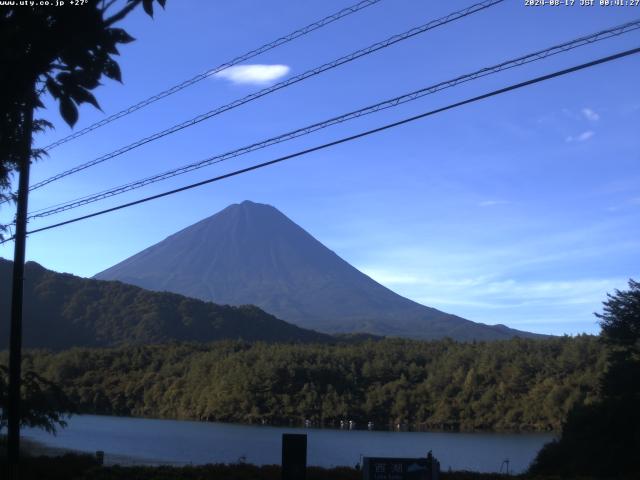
(515, 385)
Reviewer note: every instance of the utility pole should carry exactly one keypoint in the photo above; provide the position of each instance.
(15, 337)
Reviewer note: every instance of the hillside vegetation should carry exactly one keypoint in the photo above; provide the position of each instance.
(508, 385)
(63, 311)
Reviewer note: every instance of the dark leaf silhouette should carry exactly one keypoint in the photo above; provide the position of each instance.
(120, 36)
(41, 125)
(82, 95)
(68, 110)
(148, 7)
(53, 87)
(112, 70)
(65, 49)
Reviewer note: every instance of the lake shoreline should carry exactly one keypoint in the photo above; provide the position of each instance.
(35, 448)
(333, 426)
(178, 443)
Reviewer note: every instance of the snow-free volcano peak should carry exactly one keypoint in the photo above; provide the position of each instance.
(251, 253)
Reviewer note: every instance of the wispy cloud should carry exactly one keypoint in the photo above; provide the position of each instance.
(389, 277)
(253, 74)
(630, 203)
(583, 137)
(534, 282)
(492, 203)
(495, 292)
(499, 299)
(590, 114)
(567, 120)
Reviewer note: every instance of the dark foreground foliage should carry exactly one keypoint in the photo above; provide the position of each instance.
(600, 439)
(64, 52)
(507, 385)
(44, 404)
(603, 438)
(84, 467)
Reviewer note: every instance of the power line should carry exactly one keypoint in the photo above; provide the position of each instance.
(290, 81)
(345, 139)
(246, 56)
(532, 57)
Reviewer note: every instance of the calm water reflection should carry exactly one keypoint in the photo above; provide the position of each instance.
(148, 441)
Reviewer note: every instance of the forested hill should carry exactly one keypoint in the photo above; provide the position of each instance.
(507, 385)
(62, 310)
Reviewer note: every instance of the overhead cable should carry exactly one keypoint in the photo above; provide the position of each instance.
(389, 103)
(342, 140)
(242, 58)
(278, 86)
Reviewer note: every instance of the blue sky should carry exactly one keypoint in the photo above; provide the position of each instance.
(522, 209)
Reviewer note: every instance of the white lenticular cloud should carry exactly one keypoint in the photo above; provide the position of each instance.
(590, 114)
(253, 74)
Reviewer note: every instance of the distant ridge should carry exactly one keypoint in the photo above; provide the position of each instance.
(63, 311)
(251, 253)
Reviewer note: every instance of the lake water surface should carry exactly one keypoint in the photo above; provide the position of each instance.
(147, 441)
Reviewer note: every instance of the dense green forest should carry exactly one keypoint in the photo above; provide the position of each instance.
(507, 385)
(62, 311)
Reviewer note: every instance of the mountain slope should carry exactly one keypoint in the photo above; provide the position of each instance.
(253, 254)
(62, 310)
